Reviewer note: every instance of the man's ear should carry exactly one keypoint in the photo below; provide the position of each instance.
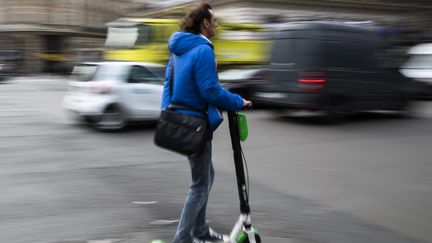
(206, 23)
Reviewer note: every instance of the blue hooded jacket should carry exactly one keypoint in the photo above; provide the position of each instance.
(196, 83)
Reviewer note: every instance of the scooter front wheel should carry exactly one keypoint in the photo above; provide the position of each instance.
(243, 237)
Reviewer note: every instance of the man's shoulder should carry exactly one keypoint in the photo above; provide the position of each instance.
(206, 49)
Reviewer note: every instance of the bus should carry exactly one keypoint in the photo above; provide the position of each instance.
(145, 40)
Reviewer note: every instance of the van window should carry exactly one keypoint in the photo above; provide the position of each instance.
(299, 53)
(347, 55)
(309, 49)
(144, 35)
(121, 36)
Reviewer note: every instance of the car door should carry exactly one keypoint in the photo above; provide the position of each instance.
(145, 93)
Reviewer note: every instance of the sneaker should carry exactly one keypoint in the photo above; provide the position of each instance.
(212, 237)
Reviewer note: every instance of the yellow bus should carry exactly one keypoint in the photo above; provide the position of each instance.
(145, 39)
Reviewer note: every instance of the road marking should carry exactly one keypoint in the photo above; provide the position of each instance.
(144, 203)
(19, 112)
(323, 169)
(163, 222)
(104, 241)
(270, 239)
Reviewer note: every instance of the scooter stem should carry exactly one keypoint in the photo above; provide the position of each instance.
(238, 162)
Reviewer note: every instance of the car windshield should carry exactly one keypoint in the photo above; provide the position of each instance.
(158, 71)
(419, 62)
(99, 72)
(83, 72)
(110, 71)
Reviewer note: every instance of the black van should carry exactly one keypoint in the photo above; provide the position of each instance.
(334, 68)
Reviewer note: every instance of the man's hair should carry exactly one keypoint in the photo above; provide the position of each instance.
(195, 16)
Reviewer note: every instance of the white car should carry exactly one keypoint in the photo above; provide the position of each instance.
(419, 65)
(109, 94)
(419, 68)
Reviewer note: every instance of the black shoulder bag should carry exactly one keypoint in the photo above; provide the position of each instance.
(181, 133)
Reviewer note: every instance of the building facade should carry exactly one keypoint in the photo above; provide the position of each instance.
(49, 35)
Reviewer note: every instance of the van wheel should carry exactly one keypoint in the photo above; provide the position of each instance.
(409, 109)
(282, 113)
(337, 109)
(113, 118)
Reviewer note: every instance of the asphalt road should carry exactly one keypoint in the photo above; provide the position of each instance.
(366, 180)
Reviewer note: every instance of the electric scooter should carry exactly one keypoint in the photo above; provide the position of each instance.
(242, 232)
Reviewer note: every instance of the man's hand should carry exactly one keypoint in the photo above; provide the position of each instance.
(247, 103)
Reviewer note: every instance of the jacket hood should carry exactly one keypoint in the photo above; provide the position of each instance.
(181, 42)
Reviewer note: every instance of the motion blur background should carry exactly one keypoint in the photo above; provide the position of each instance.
(52, 35)
(348, 175)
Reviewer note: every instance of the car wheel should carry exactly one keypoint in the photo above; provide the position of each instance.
(113, 118)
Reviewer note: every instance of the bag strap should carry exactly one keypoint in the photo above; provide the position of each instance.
(172, 77)
(175, 106)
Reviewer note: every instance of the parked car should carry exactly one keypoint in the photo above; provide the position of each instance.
(334, 68)
(9, 62)
(109, 94)
(419, 68)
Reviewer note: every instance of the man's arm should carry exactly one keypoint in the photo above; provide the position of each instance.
(208, 83)
(166, 96)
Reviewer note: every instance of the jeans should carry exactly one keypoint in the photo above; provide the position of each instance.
(192, 221)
